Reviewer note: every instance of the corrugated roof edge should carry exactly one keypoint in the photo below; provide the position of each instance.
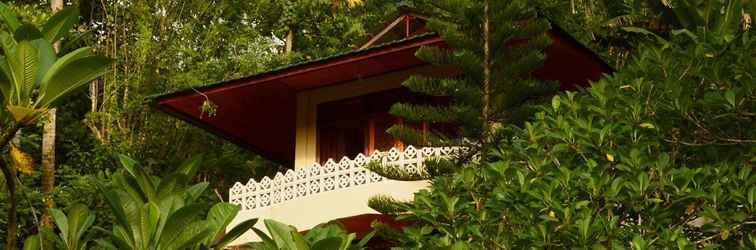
(156, 97)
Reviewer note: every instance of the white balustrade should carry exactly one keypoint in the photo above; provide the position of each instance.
(329, 177)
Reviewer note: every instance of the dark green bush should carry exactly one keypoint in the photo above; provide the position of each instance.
(659, 156)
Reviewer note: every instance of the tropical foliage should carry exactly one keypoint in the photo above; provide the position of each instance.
(658, 156)
(324, 236)
(153, 213)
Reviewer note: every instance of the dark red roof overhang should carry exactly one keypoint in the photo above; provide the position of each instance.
(259, 111)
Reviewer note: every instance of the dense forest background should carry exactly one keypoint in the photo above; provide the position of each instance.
(165, 45)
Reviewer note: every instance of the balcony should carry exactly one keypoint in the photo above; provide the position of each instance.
(308, 196)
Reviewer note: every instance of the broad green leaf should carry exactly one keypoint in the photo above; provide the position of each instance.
(190, 236)
(178, 221)
(61, 81)
(235, 232)
(149, 216)
(219, 216)
(281, 234)
(66, 59)
(5, 78)
(23, 68)
(47, 57)
(265, 238)
(190, 166)
(194, 192)
(27, 32)
(116, 206)
(327, 244)
(62, 222)
(59, 24)
(9, 16)
(300, 242)
(32, 242)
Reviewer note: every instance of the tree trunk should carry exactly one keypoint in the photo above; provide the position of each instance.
(289, 41)
(48, 148)
(10, 184)
(485, 114)
(48, 166)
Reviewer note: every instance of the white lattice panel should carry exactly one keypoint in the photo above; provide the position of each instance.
(331, 176)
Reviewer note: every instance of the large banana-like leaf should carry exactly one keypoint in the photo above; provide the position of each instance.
(60, 23)
(23, 62)
(10, 18)
(64, 80)
(63, 61)
(46, 57)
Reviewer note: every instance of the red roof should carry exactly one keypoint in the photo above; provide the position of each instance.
(258, 112)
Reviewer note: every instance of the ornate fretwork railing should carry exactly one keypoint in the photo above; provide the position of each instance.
(331, 176)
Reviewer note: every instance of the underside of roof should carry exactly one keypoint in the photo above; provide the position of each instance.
(259, 111)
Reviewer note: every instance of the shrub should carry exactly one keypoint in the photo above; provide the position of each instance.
(658, 156)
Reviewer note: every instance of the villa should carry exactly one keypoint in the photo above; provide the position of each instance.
(325, 119)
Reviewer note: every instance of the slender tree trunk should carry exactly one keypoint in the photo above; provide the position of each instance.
(289, 41)
(48, 148)
(48, 166)
(10, 183)
(485, 114)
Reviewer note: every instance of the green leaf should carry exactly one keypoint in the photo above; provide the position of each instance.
(281, 234)
(178, 221)
(116, 206)
(301, 243)
(62, 80)
(59, 24)
(647, 125)
(27, 32)
(556, 102)
(327, 244)
(265, 238)
(149, 216)
(730, 97)
(219, 216)
(62, 222)
(32, 242)
(191, 166)
(146, 186)
(235, 232)
(47, 57)
(23, 68)
(10, 18)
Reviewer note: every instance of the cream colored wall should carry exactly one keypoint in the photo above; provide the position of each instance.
(307, 103)
(305, 213)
